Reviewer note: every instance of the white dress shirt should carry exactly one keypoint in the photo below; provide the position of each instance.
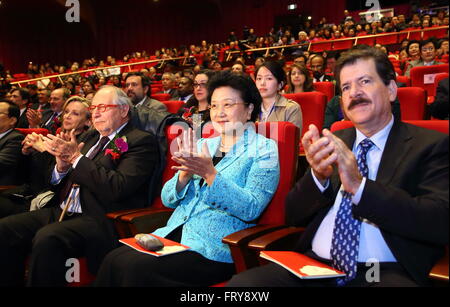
(371, 244)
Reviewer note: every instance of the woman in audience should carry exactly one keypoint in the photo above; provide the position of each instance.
(196, 110)
(76, 115)
(299, 80)
(212, 197)
(270, 80)
(88, 87)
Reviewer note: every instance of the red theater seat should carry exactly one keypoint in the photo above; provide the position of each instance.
(161, 96)
(423, 76)
(412, 103)
(173, 105)
(326, 88)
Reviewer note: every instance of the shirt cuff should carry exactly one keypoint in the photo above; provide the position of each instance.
(357, 197)
(57, 176)
(319, 185)
(74, 164)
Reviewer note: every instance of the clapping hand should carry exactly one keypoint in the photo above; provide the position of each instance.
(191, 162)
(33, 141)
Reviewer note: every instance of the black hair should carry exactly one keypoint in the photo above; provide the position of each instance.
(410, 43)
(276, 69)
(241, 83)
(384, 67)
(13, 109)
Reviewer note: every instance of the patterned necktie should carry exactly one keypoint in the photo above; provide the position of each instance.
(345, 241)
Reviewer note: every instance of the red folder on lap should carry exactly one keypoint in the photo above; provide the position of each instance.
(170, 247)
(301, 265)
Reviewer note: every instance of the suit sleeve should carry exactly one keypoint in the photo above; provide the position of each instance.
(440, 106)
(11, 153)
(133, 170)
(421, 216)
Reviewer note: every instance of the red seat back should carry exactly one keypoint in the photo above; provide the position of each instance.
(438, 125)
(404, 79)
(423, 76)
(161, 96)
(437, 78)
(343, 44)
(26, 131)
(287, 137)
(320, 46)
(313, 108)
(173, 105)
(412, 103)
(326, 87)
(387, 39)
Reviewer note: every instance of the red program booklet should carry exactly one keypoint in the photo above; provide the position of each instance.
(301, 265)
(170, 247)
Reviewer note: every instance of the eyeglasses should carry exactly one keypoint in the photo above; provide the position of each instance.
(428, 49)
(201, 85)
(4, 113)
(226, 104)
(102, 107)
(183, 83)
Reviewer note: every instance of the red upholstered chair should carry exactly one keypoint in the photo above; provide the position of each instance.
(161, 96)
(412, 103)
(423, 76)
(386, 39)
(287, 137)
(366, 41)
(313, 109)
(404, 79)
(437, 79)
(285, 238)
(173, 105)
(326, 87)
(340, 44)
(437, 33)
(320, 46)
(26, 131)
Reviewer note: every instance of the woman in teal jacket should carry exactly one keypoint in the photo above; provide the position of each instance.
(223, 184)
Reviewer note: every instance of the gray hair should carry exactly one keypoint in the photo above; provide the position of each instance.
(120, 98)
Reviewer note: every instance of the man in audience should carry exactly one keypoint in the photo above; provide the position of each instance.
(168, 84)
(318, 65)
(137, 87)
(50, 119)
(185, 89)
(89, 181)
(374, 196)
(21, 98)
(440, 106)
(427, 56)
(10, 144)
(238, 68)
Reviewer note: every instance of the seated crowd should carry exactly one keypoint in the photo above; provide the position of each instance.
(103, 153)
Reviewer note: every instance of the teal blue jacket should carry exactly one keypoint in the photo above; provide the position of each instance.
(246, 180)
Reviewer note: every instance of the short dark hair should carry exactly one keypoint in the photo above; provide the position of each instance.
(144, 79)
(428, 41)
(241, 83)
(13, 109)
(23, 92)
(384, 67)
(276, 69)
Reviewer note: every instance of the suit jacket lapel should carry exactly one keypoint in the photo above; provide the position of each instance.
(397, 147)
(5, 138)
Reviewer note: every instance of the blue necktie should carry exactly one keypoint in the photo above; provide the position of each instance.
(345, 241)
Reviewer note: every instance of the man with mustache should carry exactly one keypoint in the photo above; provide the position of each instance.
(375, 193)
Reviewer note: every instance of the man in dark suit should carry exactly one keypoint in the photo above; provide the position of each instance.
(137, 87)
(318, 65)
(374, 194)
(428, 52)
(21, 98)
(440, 106)
(168, 84)
(109, 170)
(10, 144)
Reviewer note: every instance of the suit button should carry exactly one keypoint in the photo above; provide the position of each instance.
(213, 203)
(185, 218)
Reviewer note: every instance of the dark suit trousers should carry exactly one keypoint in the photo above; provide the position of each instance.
(38, 239)
(273, 275)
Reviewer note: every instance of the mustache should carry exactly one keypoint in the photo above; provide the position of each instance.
(355, 102)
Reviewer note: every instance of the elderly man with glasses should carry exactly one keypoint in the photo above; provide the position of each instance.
(108, 170)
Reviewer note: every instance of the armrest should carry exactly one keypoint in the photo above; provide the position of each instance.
(439, 272)
(117, 214)
(7, 187)
(243, 257)
(145, 220)
(282, 239)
